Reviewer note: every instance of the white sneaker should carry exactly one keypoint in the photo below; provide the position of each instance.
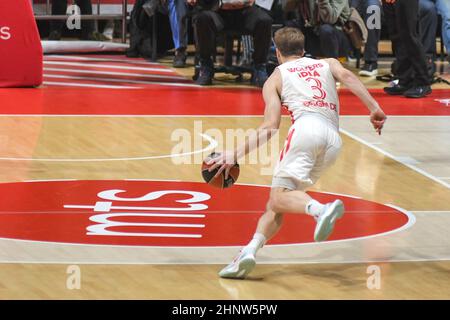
(369, 70)
(325, 222)
(109, 33)
(241, 266)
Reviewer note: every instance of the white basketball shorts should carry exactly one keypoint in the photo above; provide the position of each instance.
(312, 145)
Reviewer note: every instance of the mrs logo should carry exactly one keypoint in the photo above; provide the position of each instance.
(5, 33)
(107, 222)
(159, 214)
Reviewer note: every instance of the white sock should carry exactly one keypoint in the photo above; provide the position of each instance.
(255, 244)
(314, 208)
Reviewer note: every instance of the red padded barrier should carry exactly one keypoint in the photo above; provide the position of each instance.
(20, 45)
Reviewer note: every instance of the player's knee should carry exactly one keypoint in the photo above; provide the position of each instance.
(273, 216)
(278, 217)
(275, 202)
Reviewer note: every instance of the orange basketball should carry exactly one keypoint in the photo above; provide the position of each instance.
(220, 181)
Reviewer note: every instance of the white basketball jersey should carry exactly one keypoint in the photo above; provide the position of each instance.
(309, 87)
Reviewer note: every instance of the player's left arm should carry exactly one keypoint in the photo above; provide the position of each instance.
(351, 81)
(272, 117)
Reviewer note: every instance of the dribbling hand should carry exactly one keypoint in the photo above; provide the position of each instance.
(224, 161)
(378, 118)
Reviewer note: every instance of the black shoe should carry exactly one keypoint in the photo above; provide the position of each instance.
(418, 92)
(206, 73)
(396, 90)
(370, 69)
(259, 76)
(54, 35)
(179, 61)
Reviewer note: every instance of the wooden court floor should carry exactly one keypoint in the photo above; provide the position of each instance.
(50, 148)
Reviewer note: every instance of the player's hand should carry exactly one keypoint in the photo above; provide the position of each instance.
(378, 118)
(191, 2)
(225, 161)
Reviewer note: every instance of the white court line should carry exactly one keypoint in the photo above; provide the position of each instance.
(212, 145)
(163, 225)
(134, 214)
(62, 57)
(125, 81)
(389, 155)
(73, 206)
(242, 116)
(73, 84)
(170, 84)
(111, 73)
(107, 66)
(157, 235)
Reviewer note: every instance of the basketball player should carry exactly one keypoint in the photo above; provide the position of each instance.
(307, 88)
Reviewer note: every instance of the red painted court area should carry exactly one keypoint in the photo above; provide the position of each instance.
(165, 213)
(161, 100)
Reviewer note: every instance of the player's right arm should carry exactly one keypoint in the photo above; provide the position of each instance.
(348, 79)
(270, 125)
(272, 116)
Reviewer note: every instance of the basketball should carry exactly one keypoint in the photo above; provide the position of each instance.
(220, 181)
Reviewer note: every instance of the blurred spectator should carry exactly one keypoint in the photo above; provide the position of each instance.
(59, 7)
(428, 22)
(235, 15)
(321, 22)
(443, 8)
(370, 67)
(411, 68)
(178, 23)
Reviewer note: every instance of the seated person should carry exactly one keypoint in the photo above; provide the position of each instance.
(59, 7)
(178, 11)
(249, 19)
(321, 22)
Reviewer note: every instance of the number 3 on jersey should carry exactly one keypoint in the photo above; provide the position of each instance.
(316, 85)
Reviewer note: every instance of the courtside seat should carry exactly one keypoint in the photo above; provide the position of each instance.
(20, 45)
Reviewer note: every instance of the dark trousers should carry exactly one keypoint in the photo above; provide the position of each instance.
(324, 41)
(373, 34)
(402, 20)
(253, 21)
(59, 7)
(428, 26)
